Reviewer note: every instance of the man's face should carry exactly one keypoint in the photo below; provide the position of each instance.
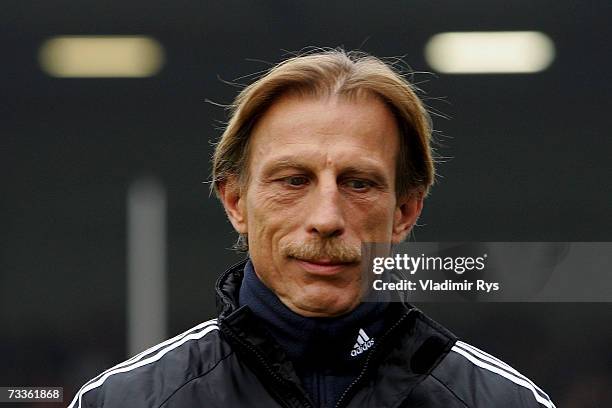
(321, 182)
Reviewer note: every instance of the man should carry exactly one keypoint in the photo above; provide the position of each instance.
(324, 152)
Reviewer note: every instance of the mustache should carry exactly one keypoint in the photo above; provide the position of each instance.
(332, 250)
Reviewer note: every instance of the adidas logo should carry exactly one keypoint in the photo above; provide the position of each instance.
(363, 343)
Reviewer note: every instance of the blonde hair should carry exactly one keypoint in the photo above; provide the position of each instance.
(323, 74)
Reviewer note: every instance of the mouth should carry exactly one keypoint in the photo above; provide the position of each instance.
(323, 267)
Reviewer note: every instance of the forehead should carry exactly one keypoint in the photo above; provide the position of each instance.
(339, 129)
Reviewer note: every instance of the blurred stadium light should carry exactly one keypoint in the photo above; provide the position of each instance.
(490, 52)
(101, 56)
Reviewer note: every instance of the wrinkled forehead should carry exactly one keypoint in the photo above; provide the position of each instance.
(333, 128)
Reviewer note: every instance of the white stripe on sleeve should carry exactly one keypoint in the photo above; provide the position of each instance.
(517, 380)
(495, 361)
(126, 365)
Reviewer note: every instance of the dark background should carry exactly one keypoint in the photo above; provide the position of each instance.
(530, 161)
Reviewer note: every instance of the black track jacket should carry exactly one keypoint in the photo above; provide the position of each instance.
(231, 362)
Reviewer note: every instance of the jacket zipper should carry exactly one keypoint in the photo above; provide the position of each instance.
(269, 370)
(341, 402)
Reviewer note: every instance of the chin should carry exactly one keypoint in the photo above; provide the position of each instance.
(326, 304)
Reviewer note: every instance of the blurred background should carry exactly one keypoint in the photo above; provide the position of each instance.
(110, 241)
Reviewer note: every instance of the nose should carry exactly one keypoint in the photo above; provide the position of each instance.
(325, 214)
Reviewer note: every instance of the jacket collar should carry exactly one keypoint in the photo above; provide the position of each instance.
(227, 289)
(244, 331)
(411, 348)
(339, 343)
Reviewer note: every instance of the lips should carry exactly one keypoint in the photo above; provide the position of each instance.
(322, 266)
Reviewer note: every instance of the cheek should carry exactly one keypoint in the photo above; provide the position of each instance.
(270, 215)
(375, 219)
(270, 198)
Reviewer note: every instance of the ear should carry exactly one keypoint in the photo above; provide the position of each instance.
(406, 215)
(231, 196)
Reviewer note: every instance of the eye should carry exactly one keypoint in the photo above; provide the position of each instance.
(296, 181)
(358, 184)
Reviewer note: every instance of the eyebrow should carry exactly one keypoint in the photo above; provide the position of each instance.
(283, 164)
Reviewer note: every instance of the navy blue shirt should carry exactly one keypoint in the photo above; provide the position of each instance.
(327, 352)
